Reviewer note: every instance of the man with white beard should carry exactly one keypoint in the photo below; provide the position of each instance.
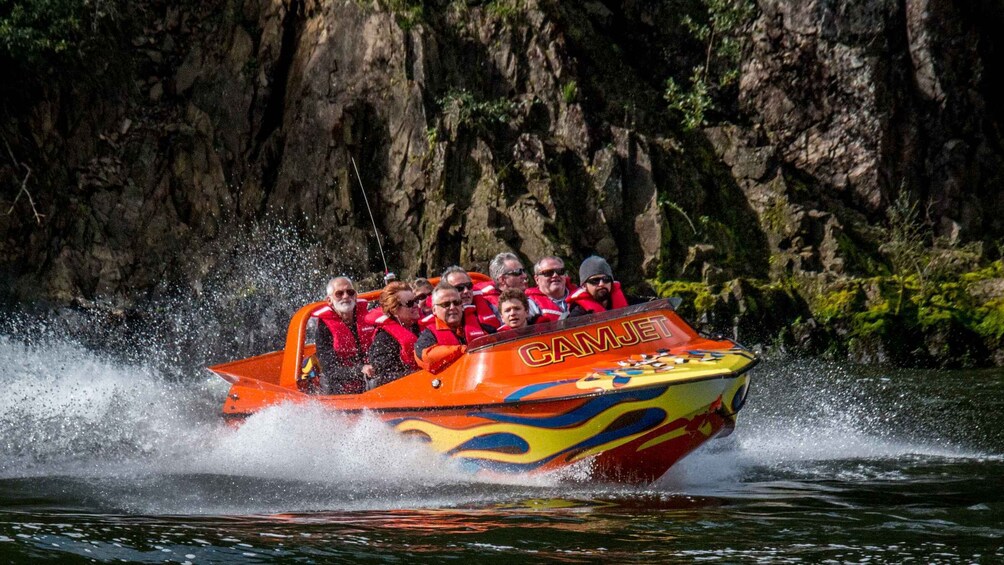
(343, 338)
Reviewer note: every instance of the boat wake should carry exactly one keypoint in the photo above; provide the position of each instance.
(817, 423)
(129, 439)
(92, 422)
(123, 437)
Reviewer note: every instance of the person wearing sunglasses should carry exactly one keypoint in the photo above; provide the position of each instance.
(599, 291)
(473, 302)
(392, 354)
(344, 335)
(423, 291)
(550, 296)
(506, 271)
(446, 339)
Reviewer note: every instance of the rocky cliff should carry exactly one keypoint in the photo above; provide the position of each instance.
(480, 126)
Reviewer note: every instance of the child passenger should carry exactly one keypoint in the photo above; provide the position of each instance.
(514, 308)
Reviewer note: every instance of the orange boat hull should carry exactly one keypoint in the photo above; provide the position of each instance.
(624, 394)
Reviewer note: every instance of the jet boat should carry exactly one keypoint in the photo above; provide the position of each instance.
(622, 395)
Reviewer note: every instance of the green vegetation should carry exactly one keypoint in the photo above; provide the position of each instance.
(478, 115)
(698, 298)
(671, 205)
(407, 13)
(570, 92)
(955, 321)
(722, 28)
(33, 32)
(508, 11)
(913, 249)
(903, 311)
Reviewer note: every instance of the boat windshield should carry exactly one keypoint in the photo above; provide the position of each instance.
(491, 340)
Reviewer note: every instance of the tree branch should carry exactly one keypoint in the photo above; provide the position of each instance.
(24, 186)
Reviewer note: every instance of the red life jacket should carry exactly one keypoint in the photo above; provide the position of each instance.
(402, 335)
(346, 348)
(549, 311)
(472, 324)
(588, 303)
(485, 313)
(427, 322)
(373, 315)
(488, 292)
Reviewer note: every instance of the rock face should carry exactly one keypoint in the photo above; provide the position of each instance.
(870, 99)
(478, 127)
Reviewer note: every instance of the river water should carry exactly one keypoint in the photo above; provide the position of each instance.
(111, 449)
(107, 459)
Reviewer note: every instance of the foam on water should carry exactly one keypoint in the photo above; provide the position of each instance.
(68, 410)
(122, 409)
(812, 420)
(71, 412)
(137, 440)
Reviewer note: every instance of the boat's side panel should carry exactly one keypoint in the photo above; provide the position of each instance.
(661, 424)
(264, 368)
(631, 391)
(551, 363)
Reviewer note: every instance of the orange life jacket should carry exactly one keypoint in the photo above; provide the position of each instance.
(472, 325)
(448, 348)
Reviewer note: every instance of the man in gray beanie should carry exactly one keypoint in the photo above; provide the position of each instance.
(599, 291)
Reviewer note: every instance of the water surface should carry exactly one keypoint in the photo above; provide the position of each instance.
(107, 459)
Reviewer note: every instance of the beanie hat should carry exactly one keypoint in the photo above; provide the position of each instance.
(593, 266)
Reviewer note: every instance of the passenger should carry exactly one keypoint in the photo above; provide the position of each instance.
(392, 354)
(446, 339)
(515, 309)
(550, 296)
(460, 280)
(343, 338)
(506, 271)
(423, 292)
(599, 291)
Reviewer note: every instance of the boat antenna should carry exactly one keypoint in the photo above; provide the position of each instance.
(387, 275)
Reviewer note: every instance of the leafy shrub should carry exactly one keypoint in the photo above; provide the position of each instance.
(36, 31)
(479, 115)
(723, 28)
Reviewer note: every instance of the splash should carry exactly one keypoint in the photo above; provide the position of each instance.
(136, 440)
(810, 420)
(117, 405)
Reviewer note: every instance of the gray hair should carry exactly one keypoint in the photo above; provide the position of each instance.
(331, 284)
(443, 285)
(540, 262)
(497, 266)
(452, 269)
(420, 283)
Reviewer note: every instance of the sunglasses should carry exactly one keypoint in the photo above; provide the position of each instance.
(421, 297)
(551, 272)
(599, 280)
(515, 273)
(340, 293)
(463, 286)
(449, 304)
(411, 303)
